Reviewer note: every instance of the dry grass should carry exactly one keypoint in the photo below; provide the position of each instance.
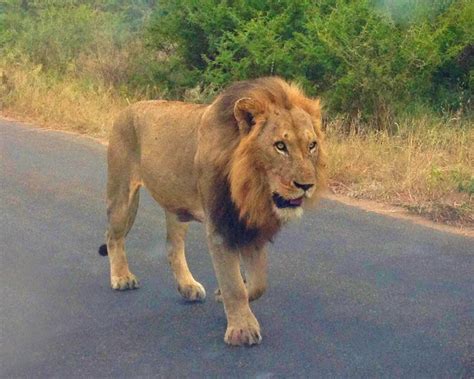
(74, 105)
(425, 166)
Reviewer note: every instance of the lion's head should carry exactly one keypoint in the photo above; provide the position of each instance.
(277, 166)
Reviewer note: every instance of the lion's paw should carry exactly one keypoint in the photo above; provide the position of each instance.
(125, 282)
(245, 333)
(192, 292)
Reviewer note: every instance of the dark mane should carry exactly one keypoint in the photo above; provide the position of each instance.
(225, 217)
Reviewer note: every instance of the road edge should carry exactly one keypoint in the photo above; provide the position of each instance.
(363, 204)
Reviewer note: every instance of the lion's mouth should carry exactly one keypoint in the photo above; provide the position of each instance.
(281, 202)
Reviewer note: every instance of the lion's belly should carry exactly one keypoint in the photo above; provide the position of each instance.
(176, 196)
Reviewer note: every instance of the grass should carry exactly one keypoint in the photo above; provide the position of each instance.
(82, 106)
(424, 164)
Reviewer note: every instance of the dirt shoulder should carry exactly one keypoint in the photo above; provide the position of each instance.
(367, 205)
(400, 213)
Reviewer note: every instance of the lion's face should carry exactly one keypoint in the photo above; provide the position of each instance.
(288, 145)
(278, 159)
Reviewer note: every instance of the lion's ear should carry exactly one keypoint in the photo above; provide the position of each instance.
(313, 108)
(245, 112)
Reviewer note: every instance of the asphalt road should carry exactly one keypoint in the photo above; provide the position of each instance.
(352, 293)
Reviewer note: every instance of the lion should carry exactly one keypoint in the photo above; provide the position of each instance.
(244, 165)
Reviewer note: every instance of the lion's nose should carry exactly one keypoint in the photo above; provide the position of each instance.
(304, 187)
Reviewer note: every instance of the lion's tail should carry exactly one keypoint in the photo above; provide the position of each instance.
(103, 250)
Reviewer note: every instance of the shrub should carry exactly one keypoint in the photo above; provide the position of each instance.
(98, 40)
(369, 59)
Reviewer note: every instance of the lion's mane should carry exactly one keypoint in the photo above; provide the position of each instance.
(241, 207)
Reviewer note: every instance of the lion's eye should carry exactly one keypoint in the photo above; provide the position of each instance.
(280, 146)
(312, 146)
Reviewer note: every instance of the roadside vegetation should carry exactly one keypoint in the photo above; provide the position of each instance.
(396, 77)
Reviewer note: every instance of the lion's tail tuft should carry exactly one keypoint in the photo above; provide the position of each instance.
(103, 250)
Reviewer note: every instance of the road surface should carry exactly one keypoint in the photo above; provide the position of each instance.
(352, 293)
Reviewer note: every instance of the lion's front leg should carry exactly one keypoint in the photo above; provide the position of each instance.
(242, 326)
(255, 264)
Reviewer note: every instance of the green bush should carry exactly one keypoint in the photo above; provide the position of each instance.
(54, 36)
(368, 59)
(98, 40)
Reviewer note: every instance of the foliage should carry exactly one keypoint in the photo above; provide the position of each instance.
(367, 58)
(99, 40)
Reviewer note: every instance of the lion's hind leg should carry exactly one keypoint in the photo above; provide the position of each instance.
(255, 273)
(123, 187)
(188, 287)
(255, 265)
(121, 211)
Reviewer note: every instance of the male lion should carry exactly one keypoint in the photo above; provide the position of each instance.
(244, 165)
